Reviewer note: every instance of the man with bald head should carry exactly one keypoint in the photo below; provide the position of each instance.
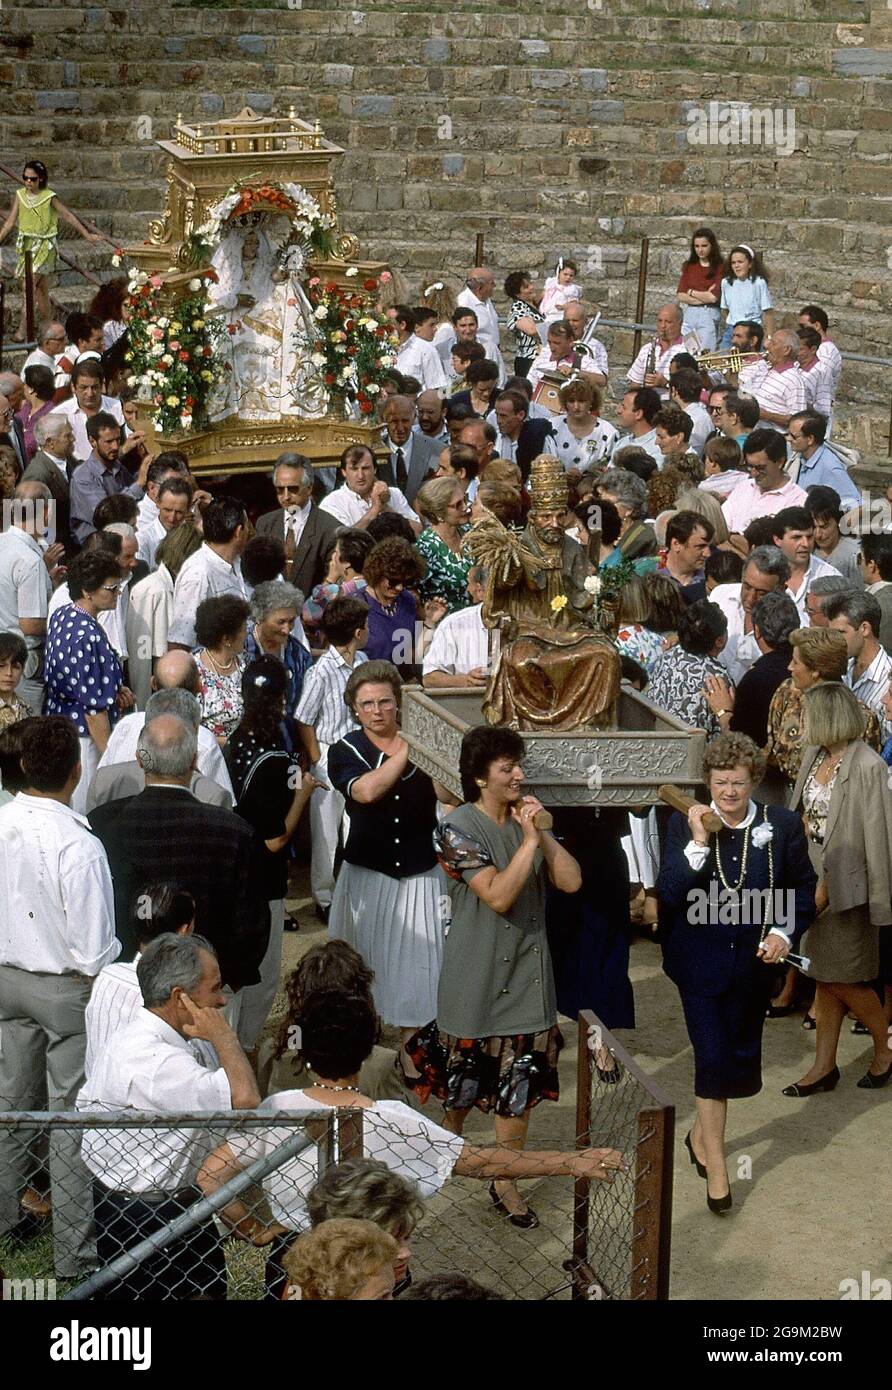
(51, 341)
(431, 410)
(175, 671)
(477, 295)
(776, 384)
(25, 586)
(594, 362)
(165, 835)
(413, 457)
(666, 344)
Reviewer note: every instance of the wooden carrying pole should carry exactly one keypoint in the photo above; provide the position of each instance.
(478, 249)
(642, 287)
(679, 802)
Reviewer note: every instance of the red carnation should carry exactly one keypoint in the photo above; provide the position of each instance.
(370, 284)
(329, 378)
(183, 356)
(207, 352)
(365, 407)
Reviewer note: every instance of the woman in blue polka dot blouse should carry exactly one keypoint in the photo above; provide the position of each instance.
(84, 679)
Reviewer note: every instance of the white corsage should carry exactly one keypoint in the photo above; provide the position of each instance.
(762, 834)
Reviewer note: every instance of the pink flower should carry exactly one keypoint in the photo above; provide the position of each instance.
(385, 277)
(314, 281)
(174, 347)
(155, 280)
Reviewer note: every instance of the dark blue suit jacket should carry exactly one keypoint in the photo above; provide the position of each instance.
(708, 957)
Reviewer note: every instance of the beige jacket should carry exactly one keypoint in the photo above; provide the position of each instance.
(857, 850)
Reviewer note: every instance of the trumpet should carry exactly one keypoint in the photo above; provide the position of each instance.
(728, 361)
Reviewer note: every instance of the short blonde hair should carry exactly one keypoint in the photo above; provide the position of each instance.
(334, 1259)
(434, 497)
(692, 499)
(822, 649)
(831, 714)
(498, 470)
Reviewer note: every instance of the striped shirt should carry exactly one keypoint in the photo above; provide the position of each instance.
(872, 685)
(781, 391)
(115, 1000)
(818, 382)
(322, 698)
(828, 352)
(663, 356)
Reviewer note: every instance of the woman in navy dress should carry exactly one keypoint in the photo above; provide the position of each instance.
(717, 942)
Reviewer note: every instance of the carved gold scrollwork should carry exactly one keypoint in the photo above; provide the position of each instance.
(347, 246)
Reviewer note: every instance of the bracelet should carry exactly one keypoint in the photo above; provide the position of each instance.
(719, 713)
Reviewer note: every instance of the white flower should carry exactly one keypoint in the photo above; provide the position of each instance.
(317, 359)
(373, 388)
(161, 323)
(156, 349)
(195, 285)
(133, 381)
(116, 260)
(186, 421)
(166, 359)
(762, 835)
(352, 271)
(592, 585)
(321, 312)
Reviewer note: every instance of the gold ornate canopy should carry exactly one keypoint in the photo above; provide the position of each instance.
(204, 162)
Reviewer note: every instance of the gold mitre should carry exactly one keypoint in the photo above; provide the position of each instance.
(548, 484)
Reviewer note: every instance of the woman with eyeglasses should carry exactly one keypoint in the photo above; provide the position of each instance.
(84, 679)
(37, 210)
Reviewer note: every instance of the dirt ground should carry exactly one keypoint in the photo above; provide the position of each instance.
(811, 1179)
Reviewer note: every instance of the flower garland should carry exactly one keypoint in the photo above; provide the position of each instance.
(171, 354)
(310, 228)
(356, 346)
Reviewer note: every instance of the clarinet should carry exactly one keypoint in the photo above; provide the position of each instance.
(651, 365)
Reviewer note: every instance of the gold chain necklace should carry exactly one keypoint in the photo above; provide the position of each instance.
(736, 887)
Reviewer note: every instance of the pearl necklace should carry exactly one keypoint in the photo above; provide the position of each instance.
(736, 887)
(323, 1086)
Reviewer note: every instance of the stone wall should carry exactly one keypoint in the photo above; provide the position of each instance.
(549, 128)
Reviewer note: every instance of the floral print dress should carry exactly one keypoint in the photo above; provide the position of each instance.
(447, 573)
(220, 696)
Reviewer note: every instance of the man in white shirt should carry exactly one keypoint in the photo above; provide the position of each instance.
(415, 356)
(56, 933)
(477, 295)
(51, 340)
(144, 1179)
(461, 329)
(767, 569)
(667, 343)
(793, 532)
(323, 719)
(175, 685)
(857, 615)
(88, 400)
(817, 377)
(635, 415)
(594, 362)
(813, 316)
(25, 586)
(459, 652)
(174, 501)
(362, 495)
(684, 391)
(767, 490)
(776, 384)
(212, 570)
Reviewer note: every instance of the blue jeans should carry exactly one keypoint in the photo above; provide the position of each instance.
(704, 321)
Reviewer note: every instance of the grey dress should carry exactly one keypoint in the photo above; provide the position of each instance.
(497, 979)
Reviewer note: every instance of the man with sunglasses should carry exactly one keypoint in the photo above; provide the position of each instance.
(51, 343)
(305, 531)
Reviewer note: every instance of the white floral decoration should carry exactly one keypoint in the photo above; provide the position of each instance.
(762, 835)
(592, 585)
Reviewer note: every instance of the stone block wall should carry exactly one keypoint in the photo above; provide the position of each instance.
(575, 128)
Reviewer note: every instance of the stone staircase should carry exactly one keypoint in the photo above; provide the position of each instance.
(549, 128)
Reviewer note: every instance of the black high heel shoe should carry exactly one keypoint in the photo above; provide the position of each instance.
(871, 1082)
(701, 1169)
(823, 1083)
(609, 1075)
(780, 1010)
(526, 1220)
(718, 1205)
(809, 1023)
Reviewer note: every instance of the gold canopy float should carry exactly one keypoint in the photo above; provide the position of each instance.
(207, 164)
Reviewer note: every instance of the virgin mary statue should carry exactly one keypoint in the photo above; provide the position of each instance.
(271, 330)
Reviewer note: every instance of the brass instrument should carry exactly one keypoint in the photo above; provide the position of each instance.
(728, 361)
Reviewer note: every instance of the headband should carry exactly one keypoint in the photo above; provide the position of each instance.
(748, 249)
(437, 285)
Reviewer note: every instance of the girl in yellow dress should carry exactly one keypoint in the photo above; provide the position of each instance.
(37, 211)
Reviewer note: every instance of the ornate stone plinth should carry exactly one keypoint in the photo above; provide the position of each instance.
(249, 447)
(622, 766)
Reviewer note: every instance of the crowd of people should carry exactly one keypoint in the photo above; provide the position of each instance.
(181, 682)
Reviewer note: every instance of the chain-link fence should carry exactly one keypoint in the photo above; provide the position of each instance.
(621, 1239)
(205, 1206)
